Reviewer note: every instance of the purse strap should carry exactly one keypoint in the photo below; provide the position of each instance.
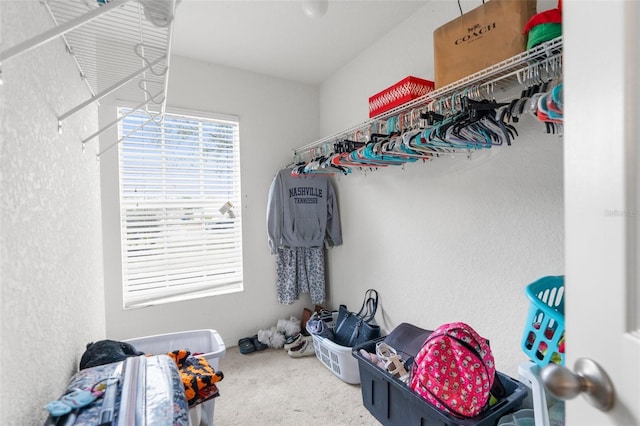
(369, 305)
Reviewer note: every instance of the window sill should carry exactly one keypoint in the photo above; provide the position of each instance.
(228, 289)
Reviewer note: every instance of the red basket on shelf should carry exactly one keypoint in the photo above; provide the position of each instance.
(407, 89)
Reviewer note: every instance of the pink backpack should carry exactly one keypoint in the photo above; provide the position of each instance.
(454, 370)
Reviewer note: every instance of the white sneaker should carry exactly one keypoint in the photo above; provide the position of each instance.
(306, 348)
(293, 342)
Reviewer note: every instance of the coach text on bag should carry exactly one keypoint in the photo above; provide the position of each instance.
(480, 38)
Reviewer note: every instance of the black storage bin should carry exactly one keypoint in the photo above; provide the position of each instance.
(393, 403)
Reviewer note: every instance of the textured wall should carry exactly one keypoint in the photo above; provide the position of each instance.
(50, 236)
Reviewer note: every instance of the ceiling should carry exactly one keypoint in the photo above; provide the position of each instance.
(277, 38)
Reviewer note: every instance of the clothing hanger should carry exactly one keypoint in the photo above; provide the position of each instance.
(473, 126)
(349, 154)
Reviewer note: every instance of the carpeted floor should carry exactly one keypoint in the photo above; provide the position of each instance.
(270, 388)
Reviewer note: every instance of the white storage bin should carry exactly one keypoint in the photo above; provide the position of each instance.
(338, 359)
(205, 343)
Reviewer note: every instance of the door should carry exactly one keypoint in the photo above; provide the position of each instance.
(602, 99)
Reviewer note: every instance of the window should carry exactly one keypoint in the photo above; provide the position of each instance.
(179, 207)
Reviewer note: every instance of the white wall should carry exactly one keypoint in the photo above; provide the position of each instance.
(454, 239)
(275, 117)
(50, 237)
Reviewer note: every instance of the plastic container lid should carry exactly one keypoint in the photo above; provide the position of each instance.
(519, 418)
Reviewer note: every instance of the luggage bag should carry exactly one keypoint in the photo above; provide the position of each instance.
(135, 392)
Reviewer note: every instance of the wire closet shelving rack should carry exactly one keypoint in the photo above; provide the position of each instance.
(117, 45)
(539, 63)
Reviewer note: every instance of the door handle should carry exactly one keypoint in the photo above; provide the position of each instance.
(589, 379)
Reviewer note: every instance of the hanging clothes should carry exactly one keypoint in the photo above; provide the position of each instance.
(302, 211)
(300, 270)
(302, 218)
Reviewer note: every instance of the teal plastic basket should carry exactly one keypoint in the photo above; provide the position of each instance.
(544, 328)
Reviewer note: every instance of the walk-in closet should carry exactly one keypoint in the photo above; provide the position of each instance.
(448, 204)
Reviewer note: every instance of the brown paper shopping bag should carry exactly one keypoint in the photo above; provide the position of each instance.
(480, 38)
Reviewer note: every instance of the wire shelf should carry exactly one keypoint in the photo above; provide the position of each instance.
(117, 45)
(495, 80)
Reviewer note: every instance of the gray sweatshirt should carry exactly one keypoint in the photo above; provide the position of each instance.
(302, 211)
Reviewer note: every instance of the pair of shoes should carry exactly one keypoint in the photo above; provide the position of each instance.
(299, 342)
(251, 344)
(392, 362)
(305, 348)
(373, 359)
(293, 341)
(260, 346)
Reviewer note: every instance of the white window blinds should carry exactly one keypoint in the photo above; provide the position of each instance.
(175, 176)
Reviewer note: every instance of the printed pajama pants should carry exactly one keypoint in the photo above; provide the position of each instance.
(300, 270)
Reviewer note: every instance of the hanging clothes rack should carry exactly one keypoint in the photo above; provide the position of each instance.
(117, 45)
(533, 67)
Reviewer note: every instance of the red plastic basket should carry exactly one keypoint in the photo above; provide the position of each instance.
(403, 91)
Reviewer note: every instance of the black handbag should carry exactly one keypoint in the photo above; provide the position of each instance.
(351, 328)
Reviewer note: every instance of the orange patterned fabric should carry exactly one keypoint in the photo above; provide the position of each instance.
(198, 377)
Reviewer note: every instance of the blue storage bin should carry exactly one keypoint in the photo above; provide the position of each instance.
(544, 327)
